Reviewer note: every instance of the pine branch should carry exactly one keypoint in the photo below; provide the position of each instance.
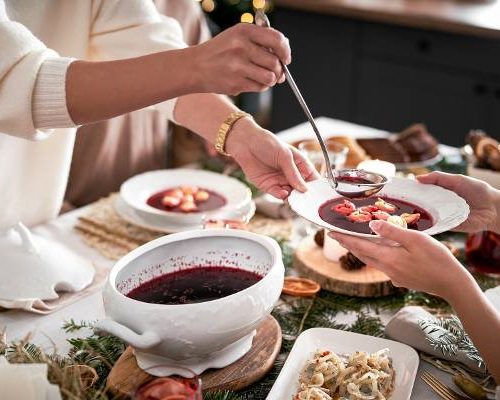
(221, 396)
(73, 326)
(449, 337)
(367, 325)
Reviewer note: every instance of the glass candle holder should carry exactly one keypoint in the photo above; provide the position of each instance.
(337, 154)
(483, 252)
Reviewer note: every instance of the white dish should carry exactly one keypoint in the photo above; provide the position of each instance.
(493, 296)
(332, 127)
(196, 336)
(150, 222)
(447, 209)
(419, 164)
(136, 191)
(405, 359)
(33, 267)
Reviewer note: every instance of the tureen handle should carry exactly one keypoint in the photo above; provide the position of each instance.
(145, 340)
(26, 238)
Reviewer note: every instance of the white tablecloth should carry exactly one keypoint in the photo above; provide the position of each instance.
(46, 329)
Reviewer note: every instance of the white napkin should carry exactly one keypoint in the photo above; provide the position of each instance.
(26, 382)
(404, 327)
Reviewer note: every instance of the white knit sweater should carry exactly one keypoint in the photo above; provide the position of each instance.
(38, 40)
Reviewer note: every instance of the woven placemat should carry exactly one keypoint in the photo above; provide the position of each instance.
(104, 230)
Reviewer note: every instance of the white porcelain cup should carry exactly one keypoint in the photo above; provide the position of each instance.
(219, 331)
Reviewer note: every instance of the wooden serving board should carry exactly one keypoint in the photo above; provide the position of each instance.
(242, 373)
(365, 282)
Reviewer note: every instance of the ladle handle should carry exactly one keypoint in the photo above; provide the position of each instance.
(262, 20)
(142, 341)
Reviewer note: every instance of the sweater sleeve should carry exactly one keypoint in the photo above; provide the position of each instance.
(21, 67)
(122, 29)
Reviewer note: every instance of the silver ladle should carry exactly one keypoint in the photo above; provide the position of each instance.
(350, 183)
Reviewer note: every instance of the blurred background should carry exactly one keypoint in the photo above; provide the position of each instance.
(382, 63)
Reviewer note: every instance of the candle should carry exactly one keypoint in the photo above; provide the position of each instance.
(332, 250)
(26, 381)
(384, 168)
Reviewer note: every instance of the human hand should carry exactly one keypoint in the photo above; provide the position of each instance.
(419, 262)
(244, 58)
(272, 165)
(478, 194)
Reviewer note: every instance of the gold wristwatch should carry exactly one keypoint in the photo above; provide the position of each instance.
(225, 128)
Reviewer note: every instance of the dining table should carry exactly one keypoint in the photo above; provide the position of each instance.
(46, 330)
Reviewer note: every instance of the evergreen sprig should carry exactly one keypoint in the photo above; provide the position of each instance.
(226, 395)
(73, 326)
(98, 352)
(449, 337)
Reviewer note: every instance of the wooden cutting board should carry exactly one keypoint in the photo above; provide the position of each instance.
(242, 373)
(365, 282)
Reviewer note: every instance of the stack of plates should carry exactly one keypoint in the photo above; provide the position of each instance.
(132, 204)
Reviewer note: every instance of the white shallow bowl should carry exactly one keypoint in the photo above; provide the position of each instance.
(446, 208)
(196, 336)
(136, 191)
(152, 222)
(404, 359)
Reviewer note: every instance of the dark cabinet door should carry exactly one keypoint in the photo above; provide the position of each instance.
(392, 96)
(494, 128)
(322, 60)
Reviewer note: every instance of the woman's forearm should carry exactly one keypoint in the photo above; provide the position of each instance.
(480, 320)
(101, 90)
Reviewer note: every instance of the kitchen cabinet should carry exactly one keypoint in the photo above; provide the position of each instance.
(389, 76)
(392, 96)
(322, 67)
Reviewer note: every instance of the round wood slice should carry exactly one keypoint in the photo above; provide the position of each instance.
(365, 282)
(126, 376)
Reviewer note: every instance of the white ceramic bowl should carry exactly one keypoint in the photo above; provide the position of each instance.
(136, 191)
(152, 222)
(446, 208)
(197, 336)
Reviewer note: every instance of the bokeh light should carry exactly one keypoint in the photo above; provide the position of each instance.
(247, 17)
(208, 5)
(259, 4)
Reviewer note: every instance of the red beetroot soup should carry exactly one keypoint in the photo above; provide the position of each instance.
(194, 285)
(214, 201)
(328, 215)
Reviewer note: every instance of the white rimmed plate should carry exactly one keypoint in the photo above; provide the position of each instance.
(152, 223)
(404, 359)
(136, 191)
(447, 209)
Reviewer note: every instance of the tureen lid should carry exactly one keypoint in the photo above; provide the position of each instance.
(33, 267)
